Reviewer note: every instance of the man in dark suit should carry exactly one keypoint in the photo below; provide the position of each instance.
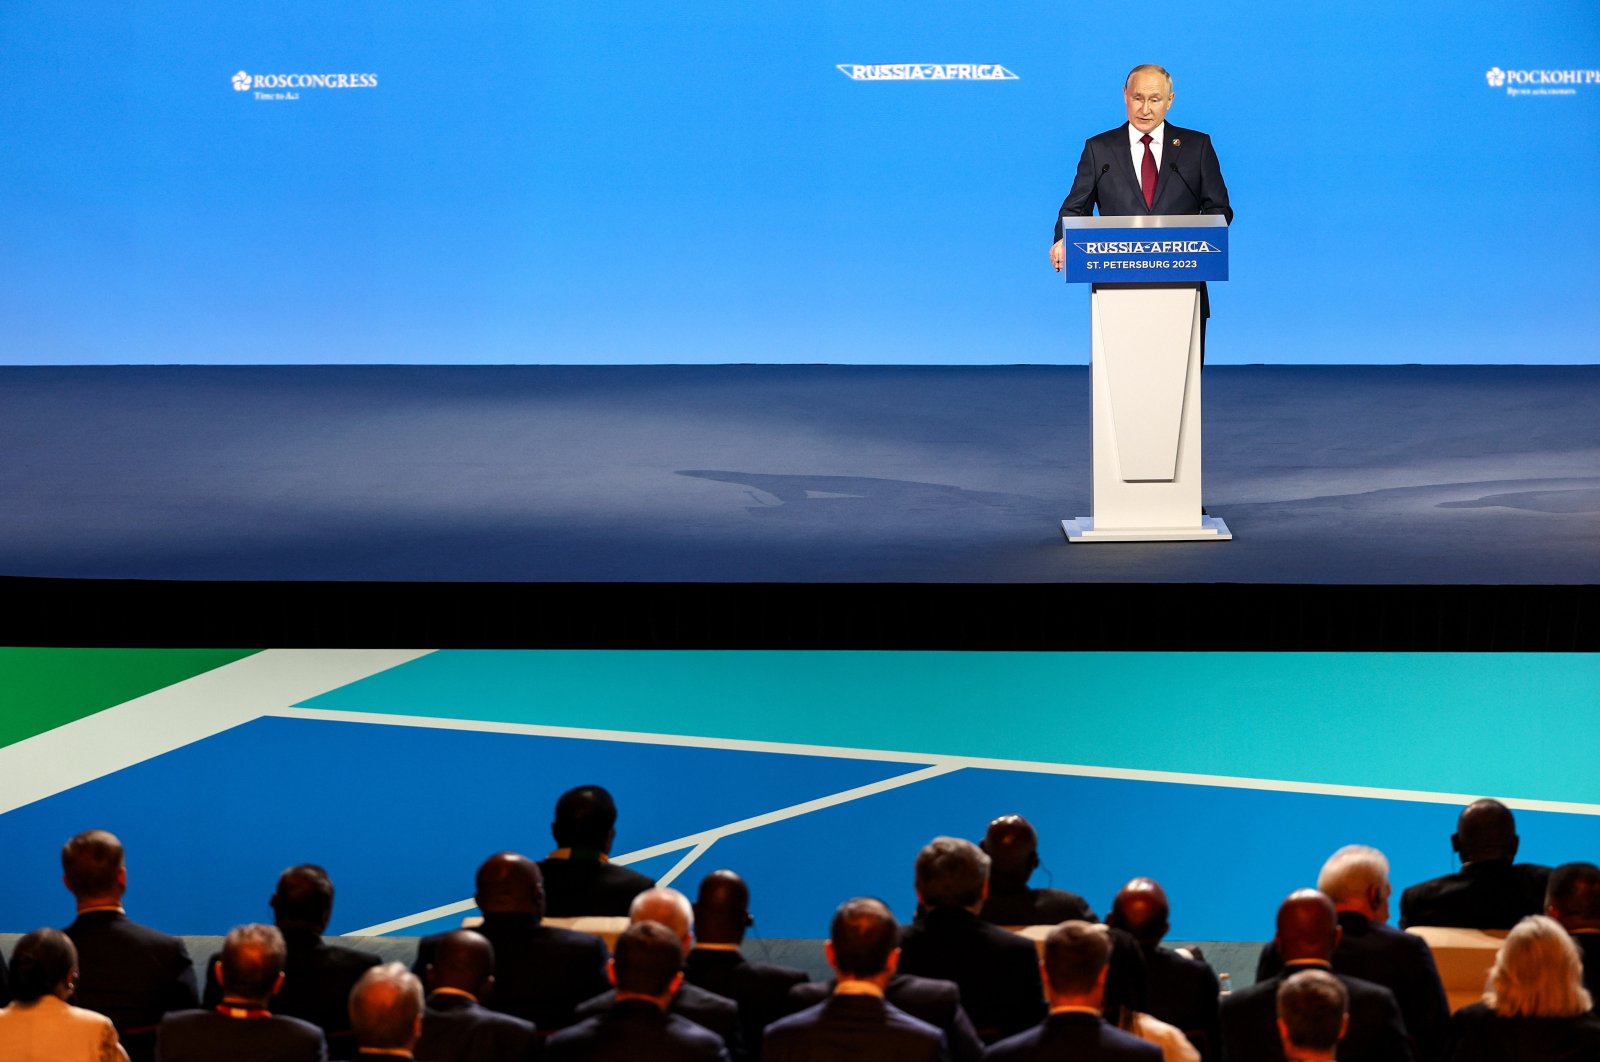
(856, 1022)
(1179, 990)
(455, 1026)
(1308, 933)
(936, 1002)
(1077, 958)
(1490, 891)
(318, 976)
(671, 908)
(647, 970)
(996, 970)
(386, 1013)
(1313, 1014)
(1012, 846)
(579, 877)
(715, 963)
(1573, 899)
(128, 972)
(1356, 879)
(241, 1028)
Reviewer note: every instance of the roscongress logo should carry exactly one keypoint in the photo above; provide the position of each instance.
(1541, 82)
(925, 72)
(287, 86)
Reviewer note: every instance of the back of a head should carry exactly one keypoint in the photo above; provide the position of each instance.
(462, 959)
(90, 863)
(864, 934)
(385, 1006)
(252, 958)
(509, 883)
(1574, 895)
(1074, 955)
(1012, 846)
(585, 818)
(1312, 1005)
(646, 958)
(1307, 926)
(722, 908)
(1141, 910)
(40, 961)
(951, 872)
(1538, 973)
(1350, 871)
(304, 896)
(666, 907)
(1486, 830)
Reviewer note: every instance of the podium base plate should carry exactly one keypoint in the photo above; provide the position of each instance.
(1082, 529)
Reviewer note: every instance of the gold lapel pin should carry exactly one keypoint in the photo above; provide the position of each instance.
(1176, 142)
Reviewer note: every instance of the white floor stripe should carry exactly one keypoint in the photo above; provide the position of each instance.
(982, 763)
(178, 715)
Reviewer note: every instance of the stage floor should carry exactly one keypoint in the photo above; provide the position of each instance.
(794, 474)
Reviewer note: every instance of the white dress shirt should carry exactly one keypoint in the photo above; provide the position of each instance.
(1136, 146)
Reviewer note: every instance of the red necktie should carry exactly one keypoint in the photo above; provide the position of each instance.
(1147, 173)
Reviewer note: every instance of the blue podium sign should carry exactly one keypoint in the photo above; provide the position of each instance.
(1112, 251)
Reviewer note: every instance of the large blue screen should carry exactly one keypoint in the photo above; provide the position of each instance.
(566, 181)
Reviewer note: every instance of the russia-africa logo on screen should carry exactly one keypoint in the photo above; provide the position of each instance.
(925, 72)
(287, 86)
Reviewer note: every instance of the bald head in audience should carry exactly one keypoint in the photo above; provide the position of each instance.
(386, 1009)
(667, 907)
(462, 960)
(1308, 927)
(1486, 830)
(722, 908)
(508, 883)
(1141, 910)
(1012, 845)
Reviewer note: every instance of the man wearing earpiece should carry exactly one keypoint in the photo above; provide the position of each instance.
(1013, 850)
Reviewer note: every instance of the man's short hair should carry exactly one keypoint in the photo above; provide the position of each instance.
(951, 872)
(384, 1006)
(1350, 871)
(1312, 1005)
(41, 961)
(304, 894)
(584, 818)
(1074, 954)
(1148, 68)
(90, 862)
(252, 958)
(647, 957)
(864, 934)
(1574, 891)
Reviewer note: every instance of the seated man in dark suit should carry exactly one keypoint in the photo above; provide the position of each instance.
(542, 973)
(1573, 899)
(856, 1022)
(128, 972)
(241, 1028)
(1179, 990)
(1490, 891)
(1356, 879)
(386, 1013)
(715, 963)
(647, 971)
(1313, 1014)
(1077, 957)
(996, 970)
(579, 878)
(671, 908)
(318, 976)
(1308, 933)
(936, 1002)
(455, 1026)
(1013, 850)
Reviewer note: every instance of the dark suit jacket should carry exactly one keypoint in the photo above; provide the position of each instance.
(1183, 992)
(936, 1002)
(317, 979)
(761, 990)
(1074, 1036)
(852, 1027)
(1034, 907)
(632, 1031)
(708, 1010)
(1589, 948)
(1250, 1024)
(541, 973)
(206, 1036)
(133, 975)
(1490, 894)
(458, 1029)
(5, 991)
(575, 887)
(1477, 1034)
(1397, 960)
(996, 970)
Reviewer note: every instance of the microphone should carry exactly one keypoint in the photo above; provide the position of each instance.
(1187, 185)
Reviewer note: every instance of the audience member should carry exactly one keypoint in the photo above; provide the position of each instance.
(128, 972)
(671, 908)
(1356, 879)
(456, 1027)
(39, 1025)
(1489, 891)
(936, 1002)
(1013, 850)
(579, 877)
(386, 1012)
(1573, 899)
(996, 970)
(1077, 958)
(1179, 990)
(241, 1028)
(1307, 934)
(647, 971)
(1313, 1013)
(1535, 1006)
(542, 972)
(856, 1021)
(716, 964)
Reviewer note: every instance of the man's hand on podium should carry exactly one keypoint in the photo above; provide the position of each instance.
(1058, 255)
